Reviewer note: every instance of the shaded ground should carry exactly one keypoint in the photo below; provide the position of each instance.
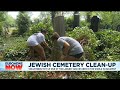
(52, 75)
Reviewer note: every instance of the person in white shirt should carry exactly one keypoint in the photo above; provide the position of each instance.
(36, 42)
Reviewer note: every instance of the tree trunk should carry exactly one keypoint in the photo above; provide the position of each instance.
(76, 19)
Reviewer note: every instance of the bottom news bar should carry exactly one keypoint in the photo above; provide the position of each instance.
(59, 66)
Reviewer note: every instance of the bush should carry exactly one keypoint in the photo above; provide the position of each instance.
(69, 23)
(109, 46)
(83, 23)
(14, 32)
(23, 22)
(45, 24)
(108, 38)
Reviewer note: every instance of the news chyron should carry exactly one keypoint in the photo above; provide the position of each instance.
(59, 66)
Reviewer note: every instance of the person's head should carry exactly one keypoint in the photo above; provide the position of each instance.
(43, 31)
(55, 36)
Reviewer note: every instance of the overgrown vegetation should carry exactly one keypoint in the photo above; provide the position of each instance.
(103, 45)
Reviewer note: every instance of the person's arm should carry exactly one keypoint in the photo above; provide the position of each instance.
(46, 45)
(63, 45)
(66, 48)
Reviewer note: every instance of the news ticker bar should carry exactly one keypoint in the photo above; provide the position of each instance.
(59, 66)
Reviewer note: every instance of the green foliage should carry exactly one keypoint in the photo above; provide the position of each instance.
(35, 21)
(83, 23)
(109, 39)
(2, 19)
(1, 24)
(115, 20)
(109, 46)
(106, 20)
(16, 55)
(9, 21)
(6, 21)
(2, 16)
(23, 22)
(69, 23)
(85, 32)
(45, 24)
(15, 32)
(88, 53)
(43, 15)
(109, 20)
(16, 49)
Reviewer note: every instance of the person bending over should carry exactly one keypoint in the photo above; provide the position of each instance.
(72, 49)
(36, 43)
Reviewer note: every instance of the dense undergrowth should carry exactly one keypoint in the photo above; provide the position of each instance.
(103, 45)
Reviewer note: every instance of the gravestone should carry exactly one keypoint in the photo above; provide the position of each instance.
(94, 23)
(76, 19)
